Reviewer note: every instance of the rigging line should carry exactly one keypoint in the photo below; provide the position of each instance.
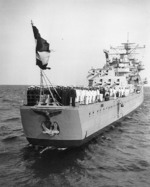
(52, 86)
(51, 83)
(54, 89)
(133, 49)
(117, 50)
(51, 93)
(49, 89)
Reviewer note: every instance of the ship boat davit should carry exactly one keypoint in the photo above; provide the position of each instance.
(64, 117)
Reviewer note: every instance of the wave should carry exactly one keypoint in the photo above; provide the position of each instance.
(4, 153)
(10, 138)
(123, 151)
(128, 117)
(12, 119)
(10, 100)
(5, 108)
(4, 130)
(135, 167)
(7, 100)
(131, 146)
(19, 129)
(143, 163)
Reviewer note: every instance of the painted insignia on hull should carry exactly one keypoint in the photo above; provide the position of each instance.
(50, 127)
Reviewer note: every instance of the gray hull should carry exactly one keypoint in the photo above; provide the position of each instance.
(77, 125)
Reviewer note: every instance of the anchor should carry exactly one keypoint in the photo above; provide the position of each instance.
(49, 127)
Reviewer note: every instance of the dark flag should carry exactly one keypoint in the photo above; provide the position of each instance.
(42, 50)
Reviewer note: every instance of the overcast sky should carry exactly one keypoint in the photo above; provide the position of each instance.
(77, 30)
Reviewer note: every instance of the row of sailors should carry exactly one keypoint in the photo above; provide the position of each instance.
(73, 96)
(83, 96)
(102, 94)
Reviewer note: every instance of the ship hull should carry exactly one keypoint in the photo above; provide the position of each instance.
(77, 125)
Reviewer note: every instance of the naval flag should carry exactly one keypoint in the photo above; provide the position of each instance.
(42, 49)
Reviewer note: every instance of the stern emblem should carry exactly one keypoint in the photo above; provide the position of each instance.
(50, 127)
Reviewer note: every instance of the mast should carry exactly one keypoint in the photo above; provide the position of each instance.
(41, 78)
(41, 82)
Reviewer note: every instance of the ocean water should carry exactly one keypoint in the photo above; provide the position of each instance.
(121, 159)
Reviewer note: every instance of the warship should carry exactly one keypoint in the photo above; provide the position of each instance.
(64, 117)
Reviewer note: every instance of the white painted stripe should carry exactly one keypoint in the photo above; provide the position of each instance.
(43, 57)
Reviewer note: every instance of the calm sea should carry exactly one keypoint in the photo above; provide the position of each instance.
(122, 159)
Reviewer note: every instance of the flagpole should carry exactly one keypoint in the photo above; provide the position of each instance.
(41, 86)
